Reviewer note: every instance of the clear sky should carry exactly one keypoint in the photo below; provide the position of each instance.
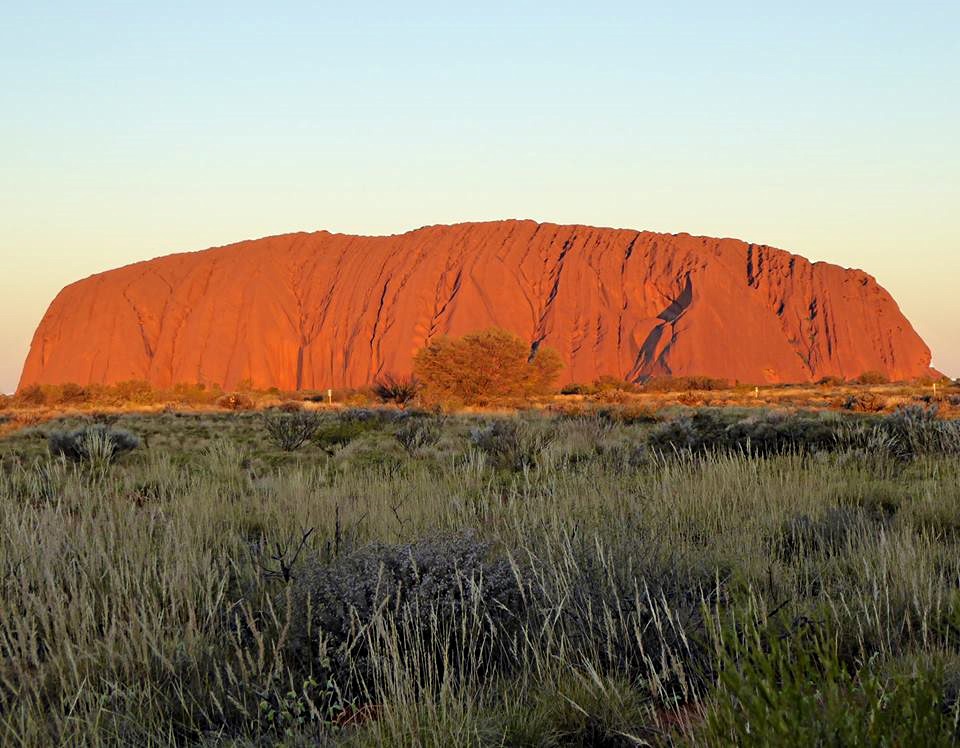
(131, 130)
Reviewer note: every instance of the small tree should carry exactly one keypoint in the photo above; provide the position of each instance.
(483, 366)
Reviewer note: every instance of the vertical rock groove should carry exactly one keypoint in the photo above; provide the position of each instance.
(316, 310)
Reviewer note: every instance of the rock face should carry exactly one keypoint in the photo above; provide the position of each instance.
(310, 311)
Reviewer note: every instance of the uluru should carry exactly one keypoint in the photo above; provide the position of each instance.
(316, 310)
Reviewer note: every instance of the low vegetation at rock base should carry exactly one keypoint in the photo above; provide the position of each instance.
(618, 576)
(453, 374)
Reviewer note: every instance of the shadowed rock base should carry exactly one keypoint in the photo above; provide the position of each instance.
(330, 310)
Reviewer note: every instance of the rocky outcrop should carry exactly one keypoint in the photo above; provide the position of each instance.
(309, 311)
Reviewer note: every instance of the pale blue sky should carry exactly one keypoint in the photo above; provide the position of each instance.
(130, 130)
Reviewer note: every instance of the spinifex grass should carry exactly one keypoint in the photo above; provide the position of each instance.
(584, 589)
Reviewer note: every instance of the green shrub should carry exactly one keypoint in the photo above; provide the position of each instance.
(373, 452)
(445, 598)
(371, 416)
(417, 433)
(104, 418)
(636, 582)
(349, 425)
(761, 433)
(909, 432)
(92, 444)
(918, 431)
(290, 431)
(511, 444)
(793, 689)
(583, 708)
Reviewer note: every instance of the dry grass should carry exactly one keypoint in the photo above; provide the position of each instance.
(632, 402)
(213, 588)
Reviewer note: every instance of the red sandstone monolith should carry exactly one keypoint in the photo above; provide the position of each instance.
(310, 311)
